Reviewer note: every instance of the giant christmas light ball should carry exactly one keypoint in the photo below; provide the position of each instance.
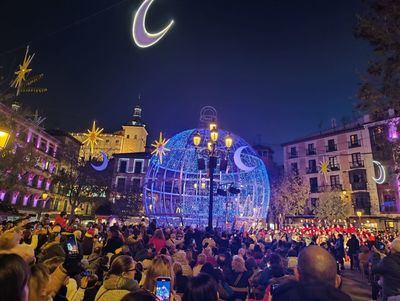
(177, 191)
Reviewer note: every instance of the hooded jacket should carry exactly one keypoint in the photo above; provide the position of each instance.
(115, 287)
(389, 269)
(308, 291)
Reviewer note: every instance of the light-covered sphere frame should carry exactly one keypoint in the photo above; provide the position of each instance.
(176, 191)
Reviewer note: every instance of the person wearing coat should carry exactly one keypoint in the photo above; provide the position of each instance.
(389, 269)
(354, 248)
(119, 280)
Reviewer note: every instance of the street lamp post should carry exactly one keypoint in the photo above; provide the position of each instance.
(359, 214)
(212, 152)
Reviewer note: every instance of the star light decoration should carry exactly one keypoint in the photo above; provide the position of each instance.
(160, 148)
(23, 71)
(92, 136)
(324, 167)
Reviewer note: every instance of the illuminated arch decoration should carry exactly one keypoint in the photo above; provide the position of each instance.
(382, 173)
(141, 36)
(93, 137)
(103, 165)
(160, 148)
(177, 182)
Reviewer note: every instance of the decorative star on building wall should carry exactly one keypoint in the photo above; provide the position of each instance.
(92, 137)
(23, 71)
(324, 167)
(160, 148)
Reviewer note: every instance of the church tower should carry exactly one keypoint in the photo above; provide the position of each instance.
(135, 134)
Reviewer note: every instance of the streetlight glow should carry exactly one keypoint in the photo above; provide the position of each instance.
(197, 139)
(4, 137)
(228, 141)
(214, 135)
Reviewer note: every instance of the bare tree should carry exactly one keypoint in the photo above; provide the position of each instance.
(332, 206)
(289, 197)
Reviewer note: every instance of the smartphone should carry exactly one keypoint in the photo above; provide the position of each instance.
(86, 273)
(72, 245)
(163, 288)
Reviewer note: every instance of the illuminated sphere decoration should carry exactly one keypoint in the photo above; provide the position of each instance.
(176, 191)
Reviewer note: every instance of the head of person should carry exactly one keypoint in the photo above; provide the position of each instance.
(159, 234)
(177, 268)
(160, 267)
(14, 277)
(238, 264)
(315, 264)
(123, 266)
(395, 246)
(201, 288)
(40, 276)
(63, 213)
(140, 295)
(275, 259)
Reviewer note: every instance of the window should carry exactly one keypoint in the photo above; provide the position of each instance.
(357, 179)
(294, 167)
(136, 185)
(331, 145)
(333, 163)
(107, 141)
(356, 160)
(121, 184)
(135, 137)
(293, 152)
(313, 185)
(354, 142)
(335, 181)
(311, 149)
(127, 136)
(312, 166)
(314, 202)
(116, 141)
(138, 166)
(123, 164)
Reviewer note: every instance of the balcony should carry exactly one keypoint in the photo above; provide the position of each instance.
(353, 144)
(310, 170)
(337, 187)
(311, 151)
(331, 148)
(293, 155)
(357, 164)
(334, 167)
(359, 186)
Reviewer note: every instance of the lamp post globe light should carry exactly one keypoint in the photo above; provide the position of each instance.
(212, 152)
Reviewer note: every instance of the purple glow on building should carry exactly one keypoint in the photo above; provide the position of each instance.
(40, 182)
(30, 179)
(26, 199)
(2, 195)
(29, 137)
(14, 197)
(393, 133)
(35, 200)
(48, 183)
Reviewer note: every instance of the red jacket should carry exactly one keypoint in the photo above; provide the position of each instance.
(60, 221)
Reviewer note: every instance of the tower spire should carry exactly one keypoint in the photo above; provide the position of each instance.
(137, 113)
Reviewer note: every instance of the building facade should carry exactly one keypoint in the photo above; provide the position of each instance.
(356, 159)
(128, 178)
(131, 138)
(33, 193)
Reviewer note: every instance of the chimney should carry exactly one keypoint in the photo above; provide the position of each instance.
(391, 113)
(366, 118)
(333, 123)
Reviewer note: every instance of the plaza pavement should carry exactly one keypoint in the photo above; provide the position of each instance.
(353, 285)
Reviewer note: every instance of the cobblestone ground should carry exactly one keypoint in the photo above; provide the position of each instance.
(355, 286)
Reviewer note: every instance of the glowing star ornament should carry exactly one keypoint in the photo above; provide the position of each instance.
(141, 36)
(160, 148)
(324, 167)
(23, 71)
(92, 137)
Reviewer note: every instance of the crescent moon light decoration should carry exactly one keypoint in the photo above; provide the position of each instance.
(141, 36)
(238, 160)
(382, 174)
(103, 165)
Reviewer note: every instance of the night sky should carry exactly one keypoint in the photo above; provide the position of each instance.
(273, 69)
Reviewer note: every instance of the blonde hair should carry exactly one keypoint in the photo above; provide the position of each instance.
(238, 264)
(160, 267)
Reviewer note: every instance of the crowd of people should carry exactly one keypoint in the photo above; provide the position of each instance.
(74, 261)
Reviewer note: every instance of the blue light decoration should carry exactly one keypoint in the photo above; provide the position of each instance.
(176, 191)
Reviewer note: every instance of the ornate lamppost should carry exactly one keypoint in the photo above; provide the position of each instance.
(212, 152)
